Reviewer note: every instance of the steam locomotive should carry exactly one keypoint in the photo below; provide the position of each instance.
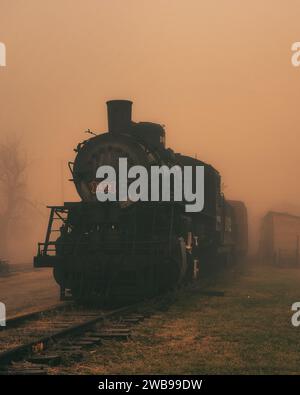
(120, 251)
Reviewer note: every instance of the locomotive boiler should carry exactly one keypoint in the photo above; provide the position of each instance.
(120, 251)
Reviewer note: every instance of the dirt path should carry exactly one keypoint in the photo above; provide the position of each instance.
(26, 291)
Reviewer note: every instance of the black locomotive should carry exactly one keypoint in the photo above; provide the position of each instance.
(121, 251)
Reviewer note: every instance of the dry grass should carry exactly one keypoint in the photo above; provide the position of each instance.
(248, 331)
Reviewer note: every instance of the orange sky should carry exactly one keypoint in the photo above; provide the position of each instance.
(217, 73)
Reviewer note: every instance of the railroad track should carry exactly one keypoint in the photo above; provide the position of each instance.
(22, 318)
(64, 334)
(41, 339)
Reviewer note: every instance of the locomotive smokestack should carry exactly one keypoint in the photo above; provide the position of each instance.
(119, 115)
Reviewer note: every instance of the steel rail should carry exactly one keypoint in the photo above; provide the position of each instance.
(21, 352)
(19, 319)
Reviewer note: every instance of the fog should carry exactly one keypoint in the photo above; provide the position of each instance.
(216, 73)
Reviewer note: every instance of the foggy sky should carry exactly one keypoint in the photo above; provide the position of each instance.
(216, 73)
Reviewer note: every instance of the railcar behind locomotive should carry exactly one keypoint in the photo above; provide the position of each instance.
(115, 252)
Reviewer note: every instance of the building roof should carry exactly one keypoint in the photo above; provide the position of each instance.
(281, 214)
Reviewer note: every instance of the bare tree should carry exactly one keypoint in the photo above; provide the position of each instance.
(13, 165)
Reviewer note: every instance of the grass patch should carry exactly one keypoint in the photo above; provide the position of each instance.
(248, 331)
